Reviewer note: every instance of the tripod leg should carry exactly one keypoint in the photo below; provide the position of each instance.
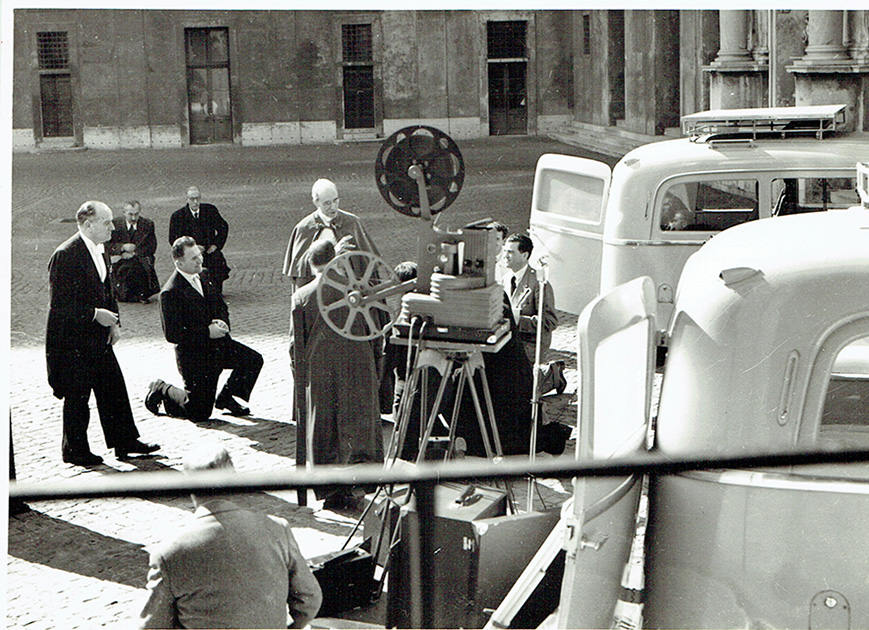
(454, 419)
(433, 415)
(480, 419)
(399, 431)
(491, 409)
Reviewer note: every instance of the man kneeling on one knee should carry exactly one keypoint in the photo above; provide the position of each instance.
(196, 319)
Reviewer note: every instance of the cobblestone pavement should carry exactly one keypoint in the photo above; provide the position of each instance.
(82, 564)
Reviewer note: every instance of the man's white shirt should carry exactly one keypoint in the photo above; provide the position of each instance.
(96, 252)
(193, 279)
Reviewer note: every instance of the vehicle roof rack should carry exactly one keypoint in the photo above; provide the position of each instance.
(764, 122)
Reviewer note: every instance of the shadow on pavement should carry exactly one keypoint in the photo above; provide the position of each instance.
(41, 539)
(262, 502)
(268, 436)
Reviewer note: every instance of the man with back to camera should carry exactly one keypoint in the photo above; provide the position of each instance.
(229, 567)
(196, 319)
(131, 250)
(204, 224)
(523, 288)
(83, 325)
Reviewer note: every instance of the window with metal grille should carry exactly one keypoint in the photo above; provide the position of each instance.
(356, 40)
(53, 50)
(506, 40)
(586, 34)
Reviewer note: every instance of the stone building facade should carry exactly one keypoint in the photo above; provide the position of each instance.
(115, 78)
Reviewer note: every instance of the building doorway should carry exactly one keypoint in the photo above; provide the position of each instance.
(208, 98)
(55, 84)
(358, 78)
(507, 69)
(616, 65)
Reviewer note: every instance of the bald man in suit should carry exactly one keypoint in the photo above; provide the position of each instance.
(83, 325)
(204, 224)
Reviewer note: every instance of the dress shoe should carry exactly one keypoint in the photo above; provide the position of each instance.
(154, 396)
(144, 300)
(138, 447)
(83, 459)
(231, 405)
(558, 377)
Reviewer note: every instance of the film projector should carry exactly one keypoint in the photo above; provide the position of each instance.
(453, 310)
(449, 314)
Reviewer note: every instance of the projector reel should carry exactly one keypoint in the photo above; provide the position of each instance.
(352, 295)
(434, 154)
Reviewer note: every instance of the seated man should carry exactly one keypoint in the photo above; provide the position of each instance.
(131, 250)
(196, 319)
(229, 567)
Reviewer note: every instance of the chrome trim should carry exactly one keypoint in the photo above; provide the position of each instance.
(618, 242)
(561, 229)
(779, 481)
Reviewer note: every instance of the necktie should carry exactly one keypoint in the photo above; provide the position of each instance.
(512, 285)
(132, 229)
(198, 284)
(196, 215)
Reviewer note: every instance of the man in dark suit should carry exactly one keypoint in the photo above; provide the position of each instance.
(82, 327)
(523, 286)
(131, 250)
(196, 319)
(202, 222)
(229, 567)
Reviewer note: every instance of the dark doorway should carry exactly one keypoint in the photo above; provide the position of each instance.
(208, 99)
(508, 64)
(617, 65)
(357, 46)
(508, 111)
(358, 97)
(55, 84)
(56, 94)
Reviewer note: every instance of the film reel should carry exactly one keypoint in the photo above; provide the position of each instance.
(352, 295)
(435, 154)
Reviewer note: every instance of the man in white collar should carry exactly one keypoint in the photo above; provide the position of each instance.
(523, 287)
(196, 319)
(344, 229)
(83, 325)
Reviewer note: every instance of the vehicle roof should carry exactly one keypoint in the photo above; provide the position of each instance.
(684, 152)
(640, 172)
(751, 298)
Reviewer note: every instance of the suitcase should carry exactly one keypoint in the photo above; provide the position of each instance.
(346, 578)
(476, 562)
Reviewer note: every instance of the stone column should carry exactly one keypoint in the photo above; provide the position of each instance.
(858, 35)
(760, 36)
(734, 37)
(825, 31)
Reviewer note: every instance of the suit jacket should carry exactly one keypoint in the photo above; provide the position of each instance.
(230, 568)
(525, 299)
(306, 232)
(186, 315)
(210, 229)
(72, 337)
(136, 274)
(145, 238)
